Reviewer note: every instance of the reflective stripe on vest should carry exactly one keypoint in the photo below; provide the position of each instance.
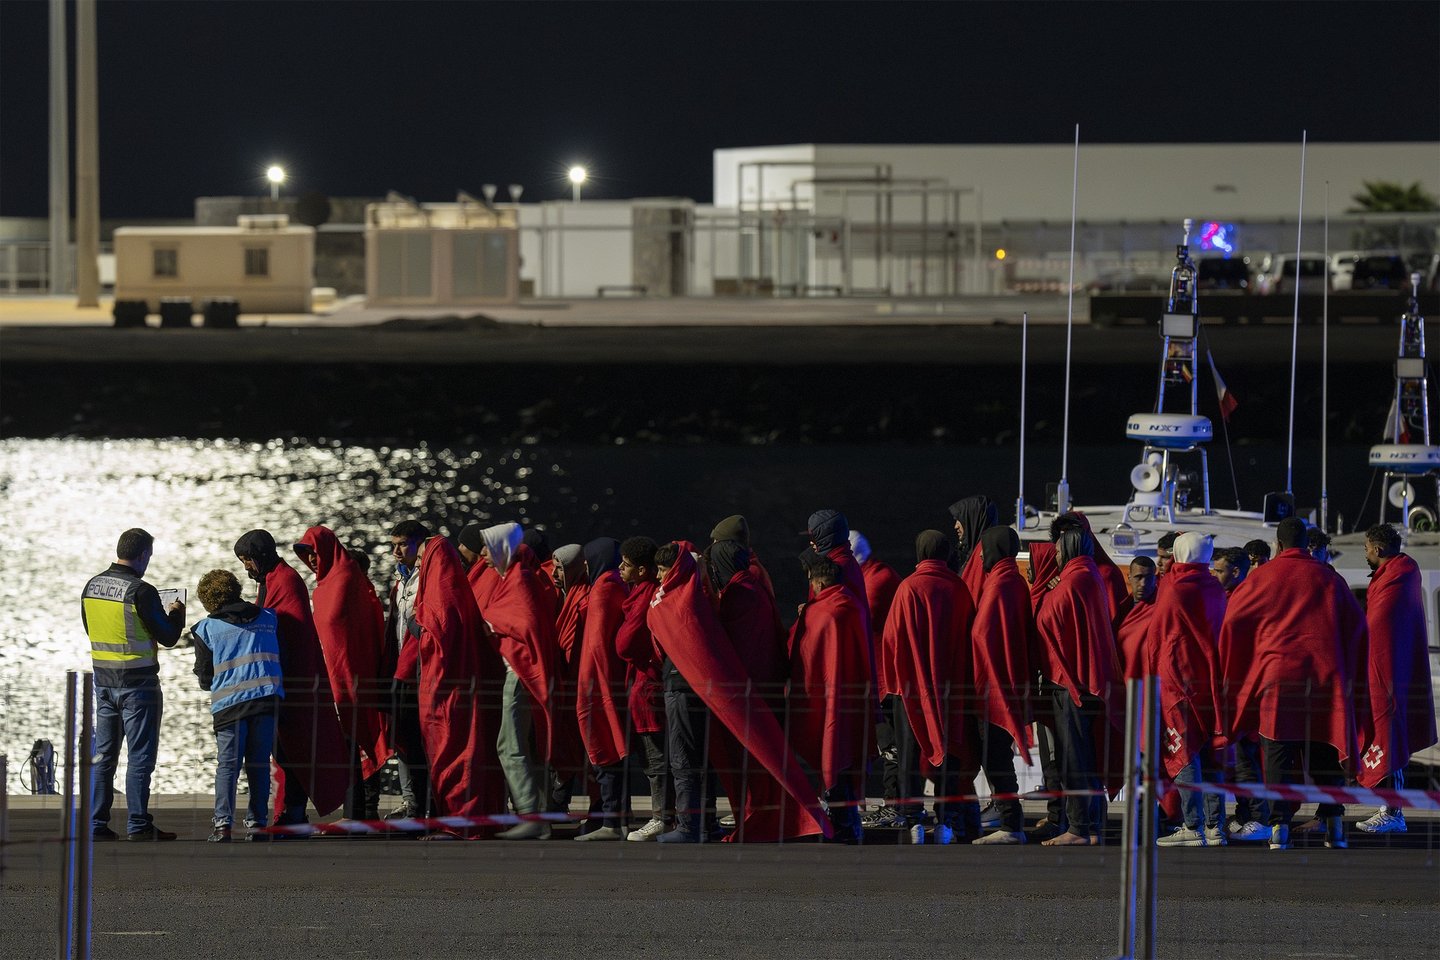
(118, 638)
(246, 657)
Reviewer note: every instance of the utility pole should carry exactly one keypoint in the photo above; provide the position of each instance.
(87, 158)
(59, 151)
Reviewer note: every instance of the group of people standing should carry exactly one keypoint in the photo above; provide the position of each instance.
(505, 676)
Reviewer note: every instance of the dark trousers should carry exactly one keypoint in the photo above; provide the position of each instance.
(294, 800)
(657, 771)
(1079, 766)
(362, 798)
(687, 728)
(610, 806)
(1247, 770)
(900, 754)
(1286, 761)
(840, 803)
(410, 747)
(997, 759)
(1048, 748)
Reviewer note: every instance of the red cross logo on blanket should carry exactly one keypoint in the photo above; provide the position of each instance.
(1374, 756)
(1173, 741)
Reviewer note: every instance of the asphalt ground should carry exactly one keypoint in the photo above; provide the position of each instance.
(397, 898)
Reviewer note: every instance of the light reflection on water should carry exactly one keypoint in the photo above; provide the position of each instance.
(64, 503)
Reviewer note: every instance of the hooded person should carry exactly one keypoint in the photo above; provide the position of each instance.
(972, 517)
(600, 695)
(1003, 644)
(644, 663)
(479, 572)
(351, 626)
(737, 528)
(522, 623)
(1083, 678)
(309, 746)
(689, 630)
(539, 545)
(1185, 637)
(1292, 650)
(1044, 576)
(568, 575)
(926, 639)
(1112, 579)
(460, 680)
(751, 621)
(1399, 672)
(831, 699)
(881, 581)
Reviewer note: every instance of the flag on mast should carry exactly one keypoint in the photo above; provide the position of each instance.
(1396, 432)
(1228, 403)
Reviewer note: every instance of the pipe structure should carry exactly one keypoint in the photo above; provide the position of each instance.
(1130, 820)
(4, 808)
(84, 875)
(87, 159)
(67, 829)
(1147, 903)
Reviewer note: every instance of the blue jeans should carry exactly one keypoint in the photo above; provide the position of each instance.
(1198, 770)
(135, 712)
(249, 741)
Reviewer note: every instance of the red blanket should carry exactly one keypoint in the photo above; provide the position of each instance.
(1293, 645)
(351, 625)
(600, 699)
(1079, 648)
(636, 646)
(751, 622)
(927, 634)
(831, 696)
(570, 622)
(1004, 643)
(522, 620)
(881, 582)
(1112, 577)
(460, 681)
(308, 731)
(1044, 567)
(1185, 637)
(687, 627)
(1399, 673)
(1136, 655)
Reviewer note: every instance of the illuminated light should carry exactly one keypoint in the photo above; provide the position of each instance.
(1000, 254)
(1218, 236)
(577, 175)
(275, 174)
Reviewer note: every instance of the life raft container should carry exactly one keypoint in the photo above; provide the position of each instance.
(1405, 457)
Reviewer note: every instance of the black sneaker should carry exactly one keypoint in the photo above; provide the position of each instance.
(221, 834)
(402, 812)
(103, 833)
(885, 817)
(151, 832)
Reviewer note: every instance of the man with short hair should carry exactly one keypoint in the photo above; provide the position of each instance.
(1258, 551)
(1133, 622)
(401, 640)
(1294, 647)
(1230, 566)
(1399, 672)
(645, 701)
(237, 658)
(1164, 553)
(893, 737)
(124, 618)
(1318, 542)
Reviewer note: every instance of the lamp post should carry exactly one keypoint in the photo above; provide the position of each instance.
(276, 175)
(577, 177)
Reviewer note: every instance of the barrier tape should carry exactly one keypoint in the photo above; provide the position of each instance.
(1312, 793)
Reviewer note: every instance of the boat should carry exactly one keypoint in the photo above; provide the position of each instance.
(1170, 486)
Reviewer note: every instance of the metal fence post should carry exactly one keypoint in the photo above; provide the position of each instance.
(4, 808)
(1129, 849)
(84, 878)
(67, 828)
(1149, 852)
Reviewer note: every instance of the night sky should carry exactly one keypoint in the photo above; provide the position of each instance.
(426, 98)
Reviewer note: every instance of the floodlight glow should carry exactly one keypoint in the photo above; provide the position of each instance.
(275, 174)
(577, 175)
(1000, 254)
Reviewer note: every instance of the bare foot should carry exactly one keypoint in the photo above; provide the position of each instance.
(1067, 839)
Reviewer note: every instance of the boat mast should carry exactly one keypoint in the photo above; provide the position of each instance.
(1020, 489)
(1295, 326)
(1063, 493)
(1324, 374)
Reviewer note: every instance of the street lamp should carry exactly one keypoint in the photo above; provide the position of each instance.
(577, 177)
(276, 175)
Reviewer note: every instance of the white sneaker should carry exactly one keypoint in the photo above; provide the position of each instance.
(1384, 822)
(529, 830)
(917, 834)
(1002, 836)
(1252, 832)
(1214, 836)
(601, 833)
(942, 834)
(652, 829)
(1183, 837)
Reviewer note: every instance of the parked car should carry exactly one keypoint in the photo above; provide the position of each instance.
(1223, 273)
(1126, 280)
(1380, 271)
(1278, 271)
(1342, 268)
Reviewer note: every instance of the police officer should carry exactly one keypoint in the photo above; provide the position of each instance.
(124, 618)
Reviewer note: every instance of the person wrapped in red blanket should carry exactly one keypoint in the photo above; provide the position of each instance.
(600, 691)
(1401, 708)
(1292, 648)
(309, 747)
(351, 626)
(459, 690)
(644, 704)
(1185, 637)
